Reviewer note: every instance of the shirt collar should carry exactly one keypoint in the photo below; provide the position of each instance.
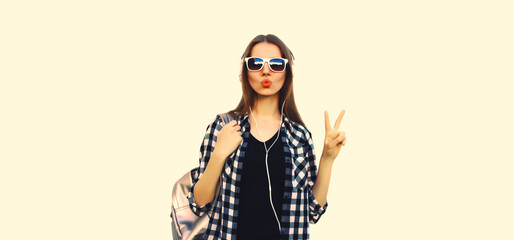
(244, 119)
(293, 135)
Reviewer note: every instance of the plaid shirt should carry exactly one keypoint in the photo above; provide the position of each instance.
(299, 206)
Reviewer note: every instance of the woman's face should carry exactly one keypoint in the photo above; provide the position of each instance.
(259, 80)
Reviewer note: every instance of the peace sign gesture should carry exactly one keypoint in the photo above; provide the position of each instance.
(334, 138)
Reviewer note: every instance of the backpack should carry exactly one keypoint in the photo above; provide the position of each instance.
(186, 225)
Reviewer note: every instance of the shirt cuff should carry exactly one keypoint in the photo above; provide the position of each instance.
(195, 208)
(316, 210)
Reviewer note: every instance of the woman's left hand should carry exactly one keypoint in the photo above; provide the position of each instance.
(334, 138)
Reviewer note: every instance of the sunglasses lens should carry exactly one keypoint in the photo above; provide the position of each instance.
(277, 64)
(255, 64)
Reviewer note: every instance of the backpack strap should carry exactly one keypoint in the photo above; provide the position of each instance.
(226, 118)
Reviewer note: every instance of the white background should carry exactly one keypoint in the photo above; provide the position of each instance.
(103, 105)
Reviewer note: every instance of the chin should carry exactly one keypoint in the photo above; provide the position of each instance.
(268, 92)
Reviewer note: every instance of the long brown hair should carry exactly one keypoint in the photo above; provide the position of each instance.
(285, 93)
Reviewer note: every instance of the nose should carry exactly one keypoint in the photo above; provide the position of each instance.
(265, 69)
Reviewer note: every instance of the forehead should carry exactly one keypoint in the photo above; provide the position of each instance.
(265, 50)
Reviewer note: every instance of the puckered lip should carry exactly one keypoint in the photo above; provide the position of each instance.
(266, 83)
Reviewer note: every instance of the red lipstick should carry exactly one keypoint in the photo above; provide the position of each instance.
(266, 83)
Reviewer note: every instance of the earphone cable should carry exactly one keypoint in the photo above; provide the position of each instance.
(266, 159)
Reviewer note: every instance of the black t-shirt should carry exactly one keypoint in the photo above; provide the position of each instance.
(256, 219)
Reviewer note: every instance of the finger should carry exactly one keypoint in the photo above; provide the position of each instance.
(240, 133)
(344, 142)
(327, 121)
(340, 139)
(231, 123)
(336, 143)
(339, 118)
(333, 134)
(237, 127)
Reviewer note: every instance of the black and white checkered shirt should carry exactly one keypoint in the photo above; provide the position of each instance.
(299, 206)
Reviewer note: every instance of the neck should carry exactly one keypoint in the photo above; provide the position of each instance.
(266, 107)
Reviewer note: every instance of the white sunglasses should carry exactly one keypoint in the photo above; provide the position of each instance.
(257, 63)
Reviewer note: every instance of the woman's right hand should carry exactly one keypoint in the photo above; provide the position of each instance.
(228, 140)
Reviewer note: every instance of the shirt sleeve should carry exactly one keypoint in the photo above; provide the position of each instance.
(315, 209)
(206, 148)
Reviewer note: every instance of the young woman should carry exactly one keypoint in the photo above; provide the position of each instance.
(270, 188)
